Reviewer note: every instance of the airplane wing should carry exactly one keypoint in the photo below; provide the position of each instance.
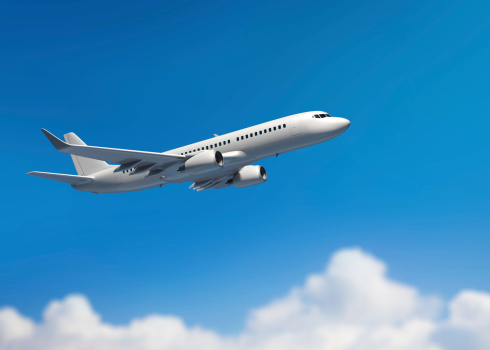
(127, 158)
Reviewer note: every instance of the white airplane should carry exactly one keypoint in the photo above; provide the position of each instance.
(217, 162)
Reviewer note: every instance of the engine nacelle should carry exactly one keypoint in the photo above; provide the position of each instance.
(203, 162)
(250, 175)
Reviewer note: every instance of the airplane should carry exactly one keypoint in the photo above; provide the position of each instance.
(218, 162)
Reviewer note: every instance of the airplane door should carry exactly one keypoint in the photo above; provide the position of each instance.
(295, 127)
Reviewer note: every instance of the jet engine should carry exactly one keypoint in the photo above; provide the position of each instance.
(250, 175)
(203, 162)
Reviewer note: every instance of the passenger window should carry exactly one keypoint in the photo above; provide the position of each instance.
(220, 143)
(211, 146)
(242, 137)
(215, 145)
(279, 127)
(246, 136)
(270, 129)
(284, 126)
(256, 133)
(238, 139)
(185, 152)
(274, 128)
(265, 131)
(229, 141)
(260, 132)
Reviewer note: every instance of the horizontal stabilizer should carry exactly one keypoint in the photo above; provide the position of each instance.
(70, 179)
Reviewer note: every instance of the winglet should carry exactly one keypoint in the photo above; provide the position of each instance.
(57, 143)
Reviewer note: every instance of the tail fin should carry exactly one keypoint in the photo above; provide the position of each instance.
(84, 166)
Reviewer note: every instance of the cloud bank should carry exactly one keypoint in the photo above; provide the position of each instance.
(351, 305)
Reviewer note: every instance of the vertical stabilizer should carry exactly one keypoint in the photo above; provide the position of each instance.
(84, 166)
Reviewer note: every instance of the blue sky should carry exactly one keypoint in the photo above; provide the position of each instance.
(408, 181)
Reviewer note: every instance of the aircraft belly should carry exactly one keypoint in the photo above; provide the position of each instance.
(120, 182)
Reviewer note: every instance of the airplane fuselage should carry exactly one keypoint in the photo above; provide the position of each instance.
(239, 148)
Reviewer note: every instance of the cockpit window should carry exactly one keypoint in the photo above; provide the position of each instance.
(324, 115)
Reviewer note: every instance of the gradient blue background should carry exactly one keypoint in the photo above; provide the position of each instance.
(409, 181)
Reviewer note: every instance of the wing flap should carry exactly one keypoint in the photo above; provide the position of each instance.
(216, 183)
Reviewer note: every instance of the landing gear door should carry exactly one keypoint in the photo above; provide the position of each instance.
(295, 127)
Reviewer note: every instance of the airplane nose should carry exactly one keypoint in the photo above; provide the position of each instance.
(343, 124)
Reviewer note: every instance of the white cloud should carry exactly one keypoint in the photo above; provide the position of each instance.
(352, 305)
(14, 326)
(468, 325)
